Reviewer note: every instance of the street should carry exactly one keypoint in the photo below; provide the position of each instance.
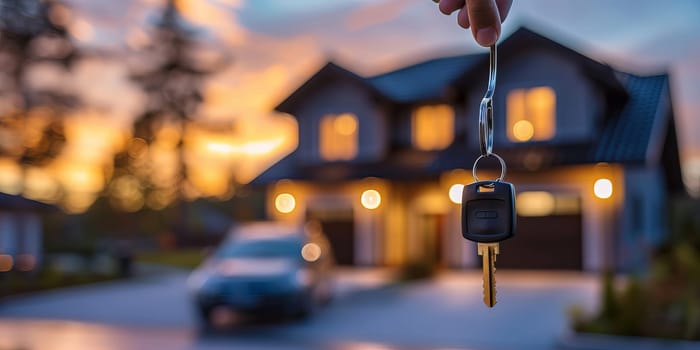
(444, 313)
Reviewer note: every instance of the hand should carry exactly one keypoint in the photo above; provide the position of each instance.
(484, 17)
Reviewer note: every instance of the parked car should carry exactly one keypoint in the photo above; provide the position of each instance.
(264, 268)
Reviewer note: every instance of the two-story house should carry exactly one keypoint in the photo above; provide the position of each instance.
(381, 160)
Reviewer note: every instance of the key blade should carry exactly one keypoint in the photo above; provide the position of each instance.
(488, 252)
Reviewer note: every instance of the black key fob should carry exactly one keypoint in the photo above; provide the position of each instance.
(488, 211)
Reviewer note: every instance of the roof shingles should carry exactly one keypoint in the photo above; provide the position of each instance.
(626, 137)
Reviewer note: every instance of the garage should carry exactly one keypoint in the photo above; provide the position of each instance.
(558, 225)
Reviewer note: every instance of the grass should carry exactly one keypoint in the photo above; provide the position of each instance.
(21, 283)
(185, 259)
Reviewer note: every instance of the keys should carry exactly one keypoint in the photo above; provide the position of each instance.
(488, 252)
(488, 217)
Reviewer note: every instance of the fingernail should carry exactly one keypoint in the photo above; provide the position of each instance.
(486, 36)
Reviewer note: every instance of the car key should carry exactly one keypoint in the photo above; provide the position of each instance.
(488, 217)
(488, 207)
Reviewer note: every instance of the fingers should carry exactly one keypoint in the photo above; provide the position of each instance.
(463, 18)
(485, 21)
(449, 6)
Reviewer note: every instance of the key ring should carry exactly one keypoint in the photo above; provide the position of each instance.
(500, 160)
(486, 109)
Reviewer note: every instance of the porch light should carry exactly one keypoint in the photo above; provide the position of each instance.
(371, 199)
(456, 193)
(6, 262)
(603, 188)
(285, 203)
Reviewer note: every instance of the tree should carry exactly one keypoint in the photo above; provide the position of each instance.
(32, 33)
(172, 77)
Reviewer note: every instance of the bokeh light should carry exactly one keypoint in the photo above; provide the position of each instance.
(371, 199)
(603, 188)
(311, 252)
(456, 193)
(285, 203)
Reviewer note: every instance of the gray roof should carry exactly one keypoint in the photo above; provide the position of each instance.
(423, 81)
(626, 138)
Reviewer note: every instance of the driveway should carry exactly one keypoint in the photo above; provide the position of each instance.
(444, 313)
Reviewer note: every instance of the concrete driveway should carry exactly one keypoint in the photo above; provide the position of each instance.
(444, 313)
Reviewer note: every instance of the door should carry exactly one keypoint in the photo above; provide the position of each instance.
(431, 230)
(339, 227)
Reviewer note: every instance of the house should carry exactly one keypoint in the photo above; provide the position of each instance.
(381, 160)
(21, 233)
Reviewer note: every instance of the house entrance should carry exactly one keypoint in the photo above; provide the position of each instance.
(431, 228)
(339, 227)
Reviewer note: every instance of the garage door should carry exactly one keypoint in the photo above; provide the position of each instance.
(552, 241)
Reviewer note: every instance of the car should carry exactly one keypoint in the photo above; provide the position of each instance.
(264, 269)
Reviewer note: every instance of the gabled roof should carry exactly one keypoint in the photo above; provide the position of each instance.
(330, 71)
(423, 81)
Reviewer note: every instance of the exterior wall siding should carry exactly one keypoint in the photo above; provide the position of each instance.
(642, 224)
(578, 105)
(341, 97)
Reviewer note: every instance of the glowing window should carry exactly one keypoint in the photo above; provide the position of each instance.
(531, 114)
(338, 137)
(432, 127)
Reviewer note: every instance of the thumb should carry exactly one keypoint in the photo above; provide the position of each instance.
(485, 21)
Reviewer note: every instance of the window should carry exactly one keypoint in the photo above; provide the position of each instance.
(338, 137)
(432, 127)
(531, 114)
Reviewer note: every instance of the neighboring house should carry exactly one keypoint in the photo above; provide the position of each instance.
(592, 152)
(21, 233)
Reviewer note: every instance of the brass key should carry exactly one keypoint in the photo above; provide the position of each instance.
(488, 252)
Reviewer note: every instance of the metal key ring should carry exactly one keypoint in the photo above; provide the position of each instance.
(503, 166)
(486, 109)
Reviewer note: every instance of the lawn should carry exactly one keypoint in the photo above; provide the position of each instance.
(183, 258)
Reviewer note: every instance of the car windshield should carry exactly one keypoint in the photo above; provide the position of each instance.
(261, 249)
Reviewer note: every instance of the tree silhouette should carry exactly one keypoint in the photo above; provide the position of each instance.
(172, 77)
(32, 32)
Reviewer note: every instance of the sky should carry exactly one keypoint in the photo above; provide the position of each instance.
(277, 44)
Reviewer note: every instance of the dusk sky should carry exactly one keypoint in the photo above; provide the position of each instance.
(277, 44)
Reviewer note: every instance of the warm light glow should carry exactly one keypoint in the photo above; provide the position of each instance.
(6, 262)
(223, 148)
(285, 203)
(432, 127)
(39, 184)
(603, 188)
(531, 114)
(338, 137)
(10, 176)
(536, 203)
(371, 199)
(456, 193)
(523, 130)
(345, 124)
(311, 252)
